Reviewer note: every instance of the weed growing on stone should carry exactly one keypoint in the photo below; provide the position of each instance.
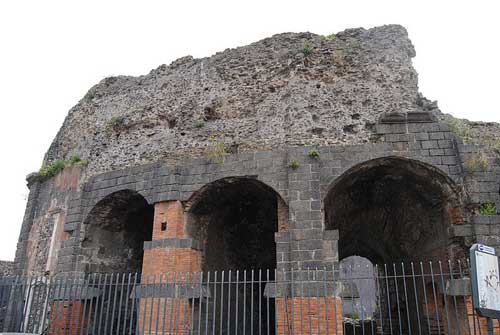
(76, 160)
(353, 316)
(496, 146)
(492, 141)
(331, 37)
(218, 150)
(338, 57)
(487, 208)
(314, 153)
(199, 124)
(293, 164)
(459, 129)
(477, 163)
(52, 169)
(116, 122)
(307, 49)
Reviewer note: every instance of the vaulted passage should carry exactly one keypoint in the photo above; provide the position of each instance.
(235, 219)
(116, 229)
(392, 209)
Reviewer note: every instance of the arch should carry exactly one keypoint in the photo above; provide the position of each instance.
(236, 218)
(197, 196)
(115, 231)
(230, 214)
(392, 208)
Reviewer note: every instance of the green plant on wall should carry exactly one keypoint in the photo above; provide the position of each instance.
(470, 166)
(307, 49)
(352, 316)
(492, 141)
(199, 124)
(218, 150)
(116, 122)
(338, 57)
(76, 160)
(477, 163)
(487, 208)
(496, 145)
(313, 153)
(293, 164)
(52, 169)
(459, 129)
(331, 37)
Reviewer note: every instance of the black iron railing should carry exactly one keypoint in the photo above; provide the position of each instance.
(409, 298)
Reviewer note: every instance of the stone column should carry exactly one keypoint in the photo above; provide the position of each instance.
(171, 265)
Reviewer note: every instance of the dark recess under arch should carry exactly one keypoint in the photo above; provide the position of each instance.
(116, 229)
(392, 209)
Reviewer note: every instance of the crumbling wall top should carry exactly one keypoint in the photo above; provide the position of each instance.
(289, 89)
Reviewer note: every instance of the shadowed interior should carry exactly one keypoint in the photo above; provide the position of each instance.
(116, 229)
(391, 209)
(236, 219)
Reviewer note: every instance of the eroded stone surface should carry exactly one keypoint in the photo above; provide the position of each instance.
(267, 94)
(6, 268)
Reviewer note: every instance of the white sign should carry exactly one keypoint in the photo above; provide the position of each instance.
(485, 248)
(488, 281)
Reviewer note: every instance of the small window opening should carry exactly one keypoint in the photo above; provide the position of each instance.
(164, 226)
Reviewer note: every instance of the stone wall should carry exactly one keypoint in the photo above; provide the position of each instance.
(42, 231)
(481, 166)
(6, 268)
(289, 89)
(303, 188)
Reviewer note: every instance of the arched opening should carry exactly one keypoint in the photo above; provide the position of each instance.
(388, 211)
(236, 219)
(116, 229)
(392, 209)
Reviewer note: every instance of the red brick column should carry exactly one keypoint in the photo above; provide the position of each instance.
(466, 319)
(170, 261)
(67, 318)
(477, 326)
(309, 315)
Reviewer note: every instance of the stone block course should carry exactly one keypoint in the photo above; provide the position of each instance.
(431, 144)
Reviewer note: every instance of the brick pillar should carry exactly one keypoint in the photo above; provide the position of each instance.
(172, 258)
(477, 324)
(309, 315)
(67, 318)
(465, 320)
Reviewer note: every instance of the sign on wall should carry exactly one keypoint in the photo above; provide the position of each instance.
(485, 279)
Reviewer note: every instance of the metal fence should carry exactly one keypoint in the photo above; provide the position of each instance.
(412, 298)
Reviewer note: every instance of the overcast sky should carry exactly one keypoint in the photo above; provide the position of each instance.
(52, 52)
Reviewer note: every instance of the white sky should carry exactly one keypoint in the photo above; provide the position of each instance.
(52, 52)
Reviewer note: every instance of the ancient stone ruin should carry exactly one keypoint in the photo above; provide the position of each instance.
(295, 152)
